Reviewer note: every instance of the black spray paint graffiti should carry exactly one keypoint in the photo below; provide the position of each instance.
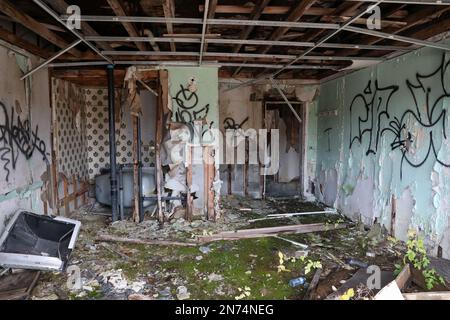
(186, 112)
(187, 102)
(18, 138)
(230, 123)
(371, 110)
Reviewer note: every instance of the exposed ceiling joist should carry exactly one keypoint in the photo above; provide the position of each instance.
(11, 38)
(11, 10)
(211, 14)
(255, 15)
(178, 39)
(61, 6)
(119, 10)
(169, 12)
(297, 13)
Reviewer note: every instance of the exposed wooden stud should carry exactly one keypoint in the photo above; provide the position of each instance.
(66, 195)
(75, 190)
(158, 140)
(136, 211)
(189, 198)
(30, 23)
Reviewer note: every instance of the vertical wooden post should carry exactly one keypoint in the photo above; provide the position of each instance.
(75, 192)
(84, 185)
(189, 200)
(136, 211)
(211, 176)
(158, 140)
(66, 196)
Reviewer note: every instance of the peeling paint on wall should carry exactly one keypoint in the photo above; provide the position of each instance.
(391, 139)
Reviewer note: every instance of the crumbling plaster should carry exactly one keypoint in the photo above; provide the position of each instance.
(393, 147)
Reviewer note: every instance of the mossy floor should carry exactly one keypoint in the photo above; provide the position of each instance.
(241, 269)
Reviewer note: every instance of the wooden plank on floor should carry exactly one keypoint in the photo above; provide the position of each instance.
(271, 231)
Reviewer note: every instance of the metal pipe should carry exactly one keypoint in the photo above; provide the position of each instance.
(232, 22)
(286, 100)
(248, 42)
(332, 34)
(202, 44)
(46, 62)
(237, 55)
(112, 140)
(398, 38)
(191, 63)
(139, 156)
(121, 197)
(303, 55)
(76, 33)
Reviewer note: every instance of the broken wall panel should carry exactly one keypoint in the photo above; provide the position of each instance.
(194, 94)
(383, 130)
(24, 171)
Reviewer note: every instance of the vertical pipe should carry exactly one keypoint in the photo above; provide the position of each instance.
(139, 156)
(112, 141)
(121, 207)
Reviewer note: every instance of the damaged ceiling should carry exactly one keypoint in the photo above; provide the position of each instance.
(245, 38)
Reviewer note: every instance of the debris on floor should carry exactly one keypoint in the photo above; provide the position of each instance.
(132, 261)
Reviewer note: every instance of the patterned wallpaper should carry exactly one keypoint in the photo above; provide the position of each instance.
(97, 135)
(81, 137)
(69, 136)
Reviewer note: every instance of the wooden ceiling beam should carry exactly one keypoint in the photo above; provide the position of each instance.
(211, 14)
(61, 7)
(255, 15)
(344, 9)
(297, 13)
(30, 23)
(415, 19)
(117, 7)
(280, 10)
(169, 12)
(13, 39)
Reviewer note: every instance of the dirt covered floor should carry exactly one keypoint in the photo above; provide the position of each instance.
(258, 268)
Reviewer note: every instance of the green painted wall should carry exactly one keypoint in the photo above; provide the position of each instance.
(390, 137)
(206, 98)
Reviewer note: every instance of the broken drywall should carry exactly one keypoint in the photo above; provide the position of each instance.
(194, 94)
(383, 130)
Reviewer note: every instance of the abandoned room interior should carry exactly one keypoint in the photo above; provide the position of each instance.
(223, 149)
